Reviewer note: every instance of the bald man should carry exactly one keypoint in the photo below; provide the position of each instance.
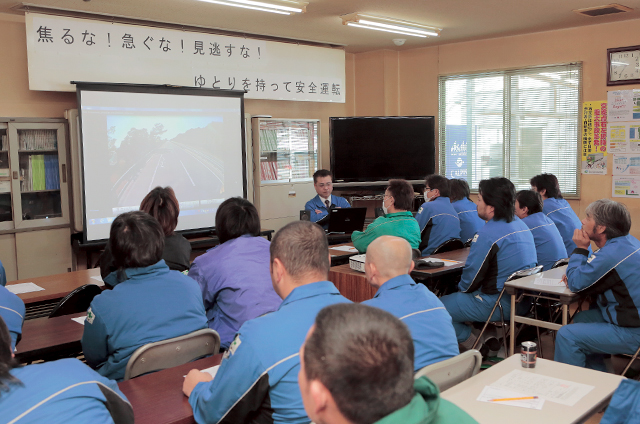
(387, 267)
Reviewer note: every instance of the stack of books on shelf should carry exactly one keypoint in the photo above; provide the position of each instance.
(268, 140)
(41, 173)
(269, 171)
(37, 140)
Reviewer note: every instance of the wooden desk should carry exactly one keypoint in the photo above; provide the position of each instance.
(43, 338)
(340, 257)
(525, 286)
(158, 399)
(465, 394)
(353, 284)
(40, 303)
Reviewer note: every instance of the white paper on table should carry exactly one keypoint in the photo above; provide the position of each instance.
(24, 288)
(99, 280)
(552, 389)
(489, 393)
(79, 320)
(553, 282)
(349, 249)
(212, 371)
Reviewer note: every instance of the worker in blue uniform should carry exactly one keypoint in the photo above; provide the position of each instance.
(557, 209)
(612, 275)
(549, 245)
(503, 246)
(319, 206)
(437, 218)
(470, 222)
(12, 310)
(152, 303)
(624, 404)
(64, 392)
(387, 267)
(258, 378)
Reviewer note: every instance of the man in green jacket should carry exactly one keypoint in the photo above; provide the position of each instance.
(398, 221)
(356, 367)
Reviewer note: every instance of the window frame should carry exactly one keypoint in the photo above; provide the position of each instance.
(507, 126)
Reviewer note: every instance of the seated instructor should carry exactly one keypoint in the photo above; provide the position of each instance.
(612, 274)
(503, 246)
(549, 245)
(557, 209)
(151, 303)
(356, 366)
(387, 268)
(257, 379)
(437, 218)
(319, 206)
(398, 221)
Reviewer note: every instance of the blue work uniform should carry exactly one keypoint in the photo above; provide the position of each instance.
(549, 245)
(612, 274)
(399, 224)
(430, 324)
(236, 284)
(438, 222)
(317, 203)
(152, 304)
(12, 311)
(63, 392)
(498, 250)
(258, 378)
(470, 222)
(566, 220)
(624, 405)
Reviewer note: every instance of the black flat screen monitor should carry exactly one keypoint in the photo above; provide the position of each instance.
(379, 148)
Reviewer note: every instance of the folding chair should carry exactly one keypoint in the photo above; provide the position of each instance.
(452, 371)
(516, 275)
(449, 245)
(76, 301)
(172, 352)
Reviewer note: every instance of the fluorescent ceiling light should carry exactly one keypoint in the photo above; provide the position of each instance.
(353, 24)
(396, 26)
(282, 7)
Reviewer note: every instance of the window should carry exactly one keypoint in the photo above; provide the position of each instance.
(516, 124)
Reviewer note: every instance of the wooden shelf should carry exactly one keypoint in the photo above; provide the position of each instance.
(38, 152)
(40, 191)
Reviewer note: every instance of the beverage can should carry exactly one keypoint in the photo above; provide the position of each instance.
(528, 354)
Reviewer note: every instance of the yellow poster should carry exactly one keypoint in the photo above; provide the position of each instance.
(594, 138)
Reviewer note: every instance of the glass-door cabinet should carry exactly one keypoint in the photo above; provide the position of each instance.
(33, 168)
(288, 150)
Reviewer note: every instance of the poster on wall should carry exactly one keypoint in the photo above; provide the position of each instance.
(623, 137)
(626, 164)
(623, 105)
(594, 138)
(626, 187)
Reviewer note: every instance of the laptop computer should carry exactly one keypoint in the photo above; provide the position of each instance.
(346, 220)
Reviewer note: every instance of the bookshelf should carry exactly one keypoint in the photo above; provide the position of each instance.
(288, 150)
(286, 154)
(37, 174)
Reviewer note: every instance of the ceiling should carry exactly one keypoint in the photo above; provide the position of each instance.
(460, 20)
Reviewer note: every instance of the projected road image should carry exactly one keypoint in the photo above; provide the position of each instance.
(146, 152)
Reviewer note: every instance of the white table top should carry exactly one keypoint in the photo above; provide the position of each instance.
(526, 283)
(465, 394)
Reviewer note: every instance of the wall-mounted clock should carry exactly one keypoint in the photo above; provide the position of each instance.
(623, 65)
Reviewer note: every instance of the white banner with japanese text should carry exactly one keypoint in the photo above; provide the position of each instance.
(62, 49)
